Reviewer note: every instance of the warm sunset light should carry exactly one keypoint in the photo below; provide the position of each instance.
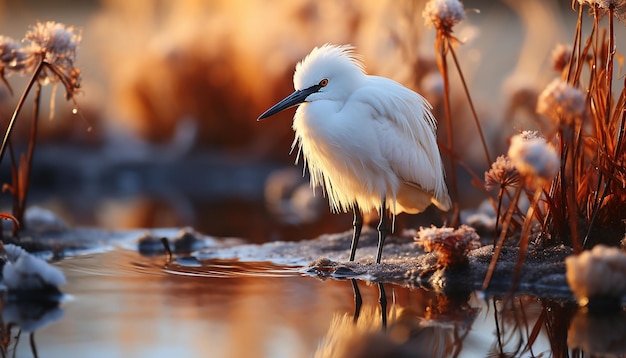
(313, 178)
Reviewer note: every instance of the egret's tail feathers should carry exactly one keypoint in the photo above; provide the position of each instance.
(444, 203)
(412, 199)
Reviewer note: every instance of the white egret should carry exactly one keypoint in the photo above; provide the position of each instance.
(365, 138)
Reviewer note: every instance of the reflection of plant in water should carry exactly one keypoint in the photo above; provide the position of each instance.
(25, 316)
(521, 321)
(32, 294)
(48, 56)
(5, 338)
(598, 334)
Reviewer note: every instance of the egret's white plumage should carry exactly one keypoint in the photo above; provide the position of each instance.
(364, 138)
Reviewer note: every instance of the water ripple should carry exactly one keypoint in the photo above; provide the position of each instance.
(230, 269)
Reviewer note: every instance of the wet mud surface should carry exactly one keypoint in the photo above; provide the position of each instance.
(404, 262)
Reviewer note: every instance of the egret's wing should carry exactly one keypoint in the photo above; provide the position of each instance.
(407, 134)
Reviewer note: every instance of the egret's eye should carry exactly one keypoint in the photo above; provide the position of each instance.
(324, 82)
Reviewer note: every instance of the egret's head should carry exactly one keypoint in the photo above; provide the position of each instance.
(339, 65)
(329, 72)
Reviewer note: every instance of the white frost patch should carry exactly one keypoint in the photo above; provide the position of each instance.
(27, 272)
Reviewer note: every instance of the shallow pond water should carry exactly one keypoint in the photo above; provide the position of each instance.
(121, 303)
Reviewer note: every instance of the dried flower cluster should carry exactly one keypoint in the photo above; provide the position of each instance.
(443, 14)
(502, 175)
(561, 56)
(561, 101)
(603, 4)
(9, 53)
(533, 157)
(527, 135)
(53, 44)
(618, 7)
(450, 245)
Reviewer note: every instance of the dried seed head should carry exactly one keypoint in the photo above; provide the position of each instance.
(561, 101)
(450, 245)
(13, 57)
(607, 4)
(527, 135)
(8, 50)
(443, 14)
(617, 6)
(58, 44)
(561, 56)
(502, 174)
(534, 157)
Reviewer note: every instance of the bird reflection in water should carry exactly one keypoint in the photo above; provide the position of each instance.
(403, 331)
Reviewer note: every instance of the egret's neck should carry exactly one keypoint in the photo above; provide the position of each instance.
(317, 113)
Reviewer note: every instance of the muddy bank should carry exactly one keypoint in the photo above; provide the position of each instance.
(404, 262)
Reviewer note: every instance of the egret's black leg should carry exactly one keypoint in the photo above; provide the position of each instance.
(358, 225)
(358, 301)
(382, 228)
(382, 299)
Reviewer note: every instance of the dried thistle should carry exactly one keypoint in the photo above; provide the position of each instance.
(502, 175)
(562, 102)
(533, 157)
(10, 57)
(614, 7)
(57, 44)
(561, 56)
(450, 245)
(527, 135)
(443, 14)
(9, 52)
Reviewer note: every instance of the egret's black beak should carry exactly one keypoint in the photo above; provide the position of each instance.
(293, 99)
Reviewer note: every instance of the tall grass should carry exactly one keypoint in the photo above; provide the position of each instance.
(584, 202)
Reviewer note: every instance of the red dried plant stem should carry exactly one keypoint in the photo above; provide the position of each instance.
(605, 126)
(498, 213)
(20, 104)
(576, 46)
(622, 115)
(498, 248)
(609, 67)
(442, 44)
(471, 104)
(27, 162)
(524, 239)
